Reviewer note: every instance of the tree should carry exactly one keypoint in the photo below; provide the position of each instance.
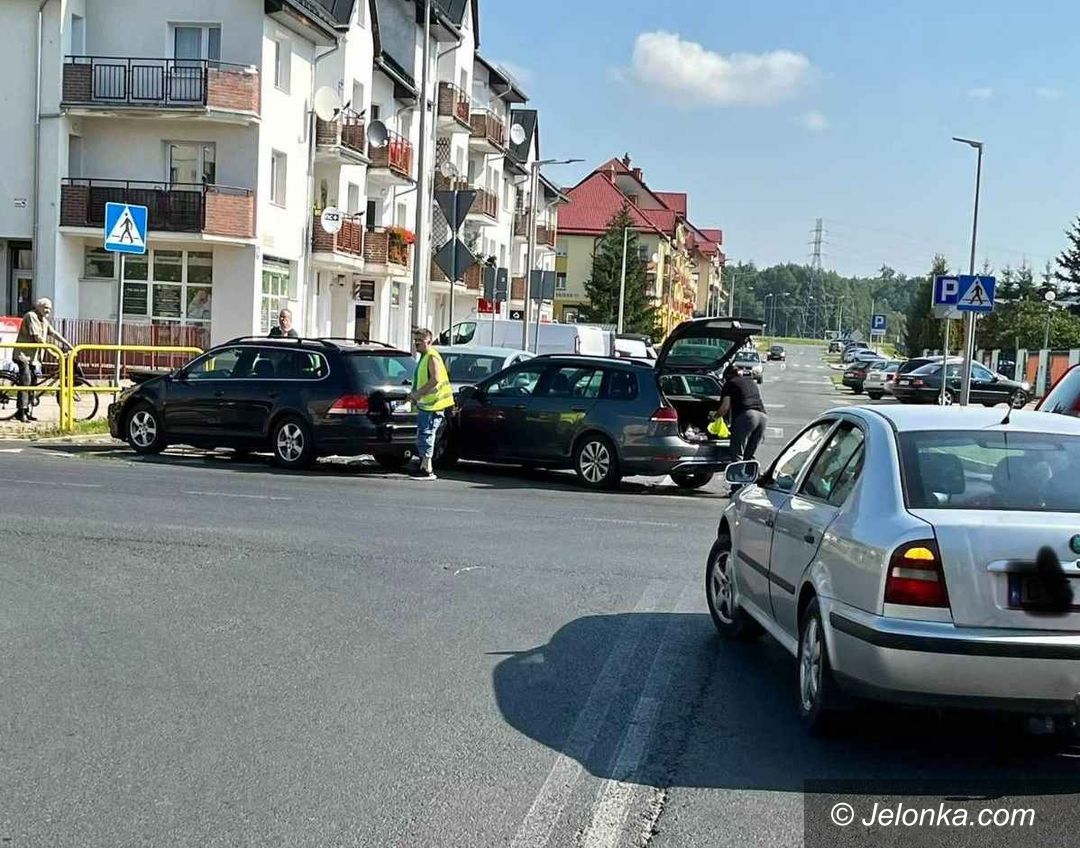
(922, 331)
(1025, 322)
(1025, 283)
(602, 288)
(1069, 259)
(1007, 290)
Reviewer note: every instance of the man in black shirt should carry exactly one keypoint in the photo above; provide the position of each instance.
(284, 328)
(741, 398)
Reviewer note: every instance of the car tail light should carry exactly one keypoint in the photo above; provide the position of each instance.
(915, 576)
(917, 381)
(665, 414)
(350, 405)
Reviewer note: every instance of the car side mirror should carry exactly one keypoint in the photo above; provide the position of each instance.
(742, 473)
(469, 393)
(180, 375)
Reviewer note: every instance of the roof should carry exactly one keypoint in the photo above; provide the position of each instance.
(552, 189)
(911, 417)
(593, 203)
(716, 236)
(502, 82)
(617, 165)
(675, 200)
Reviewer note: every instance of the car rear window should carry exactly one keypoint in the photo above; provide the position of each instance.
(697, 352)
(471, 367)
(1025, 472)
(1064, 398)
(381, 369)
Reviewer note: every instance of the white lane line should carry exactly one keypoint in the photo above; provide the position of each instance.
(824, 381)
(774, 432)
(618, 521)
(616, 794)
(237, 495)
(535, 830)
(776, 405)
(11, 450)
(443, 509)
(62, 485)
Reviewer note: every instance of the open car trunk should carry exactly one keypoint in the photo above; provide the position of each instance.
(696, 398)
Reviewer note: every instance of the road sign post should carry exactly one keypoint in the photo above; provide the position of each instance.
(454, 257)
(963, 295)
(125, 232)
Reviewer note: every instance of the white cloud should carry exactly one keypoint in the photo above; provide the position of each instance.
(667, 63)
(983, 93)
(520, 73)
(814, 121)
(1045, 93)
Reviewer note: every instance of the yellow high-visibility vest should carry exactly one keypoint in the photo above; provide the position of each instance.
(443, 395)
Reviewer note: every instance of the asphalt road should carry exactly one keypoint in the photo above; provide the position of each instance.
(197, 651)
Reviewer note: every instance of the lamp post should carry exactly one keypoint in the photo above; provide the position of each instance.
(1049, 297)
(765, 312)
(969, 326)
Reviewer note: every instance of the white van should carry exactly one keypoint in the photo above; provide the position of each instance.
(554, 338)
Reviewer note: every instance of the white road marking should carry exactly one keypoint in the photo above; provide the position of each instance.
(616, 794)
(237, 495)
(824, 381)
(774, 432)
(468, 568)
(443, 509)
(776, 406)
(535, 830)
(11, 450)
(51, 483)
(616, 521)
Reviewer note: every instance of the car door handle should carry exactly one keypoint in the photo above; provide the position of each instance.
(519, 406)
(809, 537)
(577, 409)
(769, 522)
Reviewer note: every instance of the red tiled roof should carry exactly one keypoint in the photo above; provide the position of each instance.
(662, 219)
(615, 165)
(714, 235)
(593, 203)
(673, 200)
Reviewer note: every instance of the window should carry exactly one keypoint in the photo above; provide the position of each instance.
(278, 173)
(401, 218)
(192, 163)
(848, 477)
(471, 367)
(560, 282)
(354, 199)
(371, 216)
(831, 463)
(978, 372)
(395, 294)
(701, 385)
(75, 156)
(622, 385)
(169, 286)
(275, 292)
(194, 43)
(376, 111)
(216, 365)
(357, 102)
(282, 63)
(279, 364)
(78, 35)
(98, 263)
(519, 382)
(381, 370)
(573, 382)
(790, 463)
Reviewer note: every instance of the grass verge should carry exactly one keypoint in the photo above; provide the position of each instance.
(97, 427)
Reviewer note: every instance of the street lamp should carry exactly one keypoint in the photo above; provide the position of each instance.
(1049, 297)
(765, 309)
(969, 326)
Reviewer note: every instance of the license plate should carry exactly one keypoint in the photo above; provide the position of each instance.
(402, 407)
(1027, 591)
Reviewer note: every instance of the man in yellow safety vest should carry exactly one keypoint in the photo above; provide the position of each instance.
(432, 395)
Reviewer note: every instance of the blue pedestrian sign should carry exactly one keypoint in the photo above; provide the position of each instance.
(878, 324)
(955, 295)
(125, 228)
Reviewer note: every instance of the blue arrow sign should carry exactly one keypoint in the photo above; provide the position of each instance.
(878, 324)
(125, 228)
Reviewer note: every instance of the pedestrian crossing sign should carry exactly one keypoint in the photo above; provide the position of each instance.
(976, 293)
(125, 228)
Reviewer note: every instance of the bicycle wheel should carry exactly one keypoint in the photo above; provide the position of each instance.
(85, 403)
(8, 400)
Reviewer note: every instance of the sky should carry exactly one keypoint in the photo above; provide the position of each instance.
(775, 113)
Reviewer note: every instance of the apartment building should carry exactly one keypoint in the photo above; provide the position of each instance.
(204, 111)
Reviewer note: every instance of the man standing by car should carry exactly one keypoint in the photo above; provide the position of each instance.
(284, 328)
(741, 398)
(35, 329)
(432, 395)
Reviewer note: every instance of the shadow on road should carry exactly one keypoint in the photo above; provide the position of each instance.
(727, 718)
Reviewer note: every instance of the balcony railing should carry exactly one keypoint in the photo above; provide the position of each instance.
(486, 204)
(489, 127)
(454, 103)
(396, 155)
(108, 81)
(347, 131)
(474, 278)
(521, 223)
(349, 239)
(171, 207)
(382, 248)
(545, 236)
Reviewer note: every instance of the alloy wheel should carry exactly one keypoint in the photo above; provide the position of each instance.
(720, 584)
(143, 428)
(810, 665)
(595, 462)
(290, 442)
(1018, 400)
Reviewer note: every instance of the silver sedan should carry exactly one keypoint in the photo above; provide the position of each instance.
(914, 555)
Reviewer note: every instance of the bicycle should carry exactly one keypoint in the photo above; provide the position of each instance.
(86, 403)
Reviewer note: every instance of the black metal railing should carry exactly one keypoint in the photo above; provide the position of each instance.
(172, 207)
(139, 81)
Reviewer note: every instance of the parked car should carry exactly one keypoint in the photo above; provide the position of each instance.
(852, 350)
(892, 550)
(909, 365)
(748, 361)
(777, 354)
(635, 346)
(879, 378)
(604, 417)
(1064, 396)
(923, 385)
(468, 365)
(554, 338)
(298, 398)
(836, 346)
(855, 374)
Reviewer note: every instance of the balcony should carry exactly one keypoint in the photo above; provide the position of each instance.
(488, 132)
(454, 112)
(347, 244)
(104, 85)
(387, 247)
(343, 140)
(545, 237)
(391, 164)
(485, 208)
(171, 207)
(474, 278)
(521, 224)
(517, 288)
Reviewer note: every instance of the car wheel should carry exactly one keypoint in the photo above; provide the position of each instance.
(730, 619)
(292, 443)
(816, 685)
(1018, 400)
(391, 461)
(596, 463)
(874, 395)
(691, 479)
(144, 430)
(950, 398)
(759, 380)
(446, 449)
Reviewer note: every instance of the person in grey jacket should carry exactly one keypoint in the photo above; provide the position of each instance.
(35, 329)
(741, 399)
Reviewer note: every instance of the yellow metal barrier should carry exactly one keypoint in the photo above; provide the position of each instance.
(60, 387)
(67, 403)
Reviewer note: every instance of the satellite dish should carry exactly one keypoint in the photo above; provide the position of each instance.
(327, 104)
(331, 220)
(377, 134)
(517, 134)
(655, 258)
(448, 169)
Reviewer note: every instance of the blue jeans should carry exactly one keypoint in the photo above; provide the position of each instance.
(427, 426)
